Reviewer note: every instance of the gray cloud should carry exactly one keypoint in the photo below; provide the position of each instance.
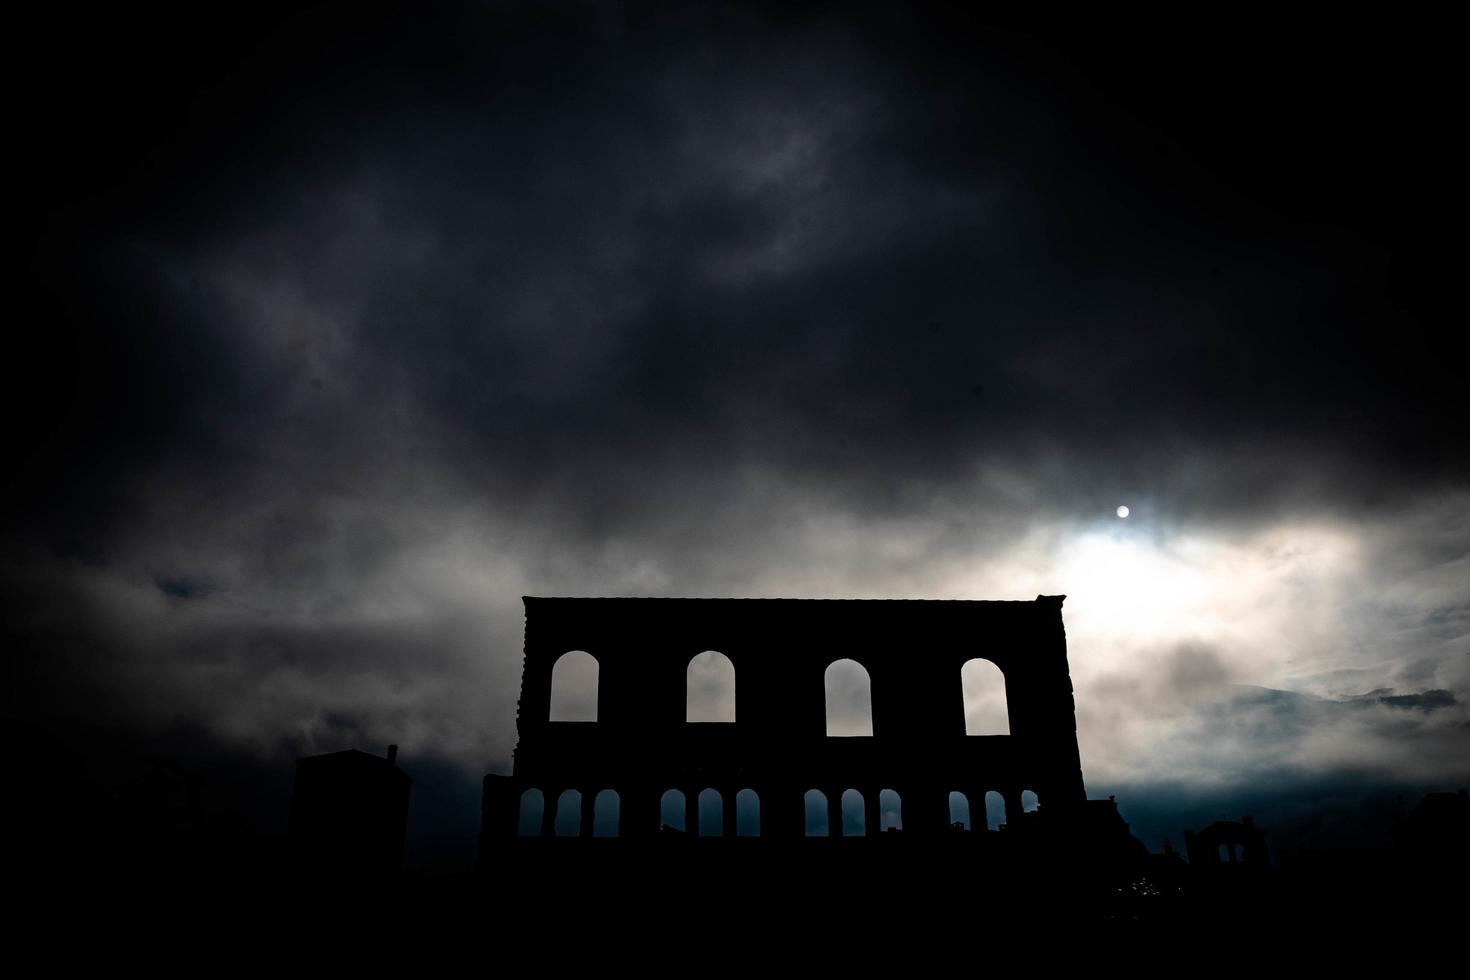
(433, 315)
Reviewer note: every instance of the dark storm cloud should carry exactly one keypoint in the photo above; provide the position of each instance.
(839, 247)
(401, 315)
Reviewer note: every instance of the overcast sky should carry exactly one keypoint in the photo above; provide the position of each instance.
(352, 326)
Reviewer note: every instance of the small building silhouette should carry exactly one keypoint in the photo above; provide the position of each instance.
(1437, 830)
(1228, 844)
(349, 813)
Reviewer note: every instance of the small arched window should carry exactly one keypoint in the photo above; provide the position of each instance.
(995, 810)
(569, 814)
(854, 819)
(959, 811)
(533, 812)
(818, 820)
(711, 813)
(605, 815)
(747, 813)
(671, 812)
(890, 810)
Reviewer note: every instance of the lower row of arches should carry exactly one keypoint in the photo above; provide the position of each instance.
(851, 818)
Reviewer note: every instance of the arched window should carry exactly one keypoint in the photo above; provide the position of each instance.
(1029, 801)
(569, 814)
(849, 699)
(574, 687)
(605, 815)
(533, 812)
(959, 810)
(854, 820)
(995, 810)
(709, 691)
(747, 813)
(671, 811)
(985, 698)
(711, 814)
(817, 818)
(890, 810)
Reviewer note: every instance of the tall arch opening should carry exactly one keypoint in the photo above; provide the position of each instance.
(1029, 801)
(985, 698)
(849, 699)
(747, 813)
(709, 688)
(671, 813)
(817, 818)
(569, 814)
(533, 812)
(574, 687)
(605, 814)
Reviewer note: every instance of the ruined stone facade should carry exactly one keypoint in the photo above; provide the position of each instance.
(641, 746)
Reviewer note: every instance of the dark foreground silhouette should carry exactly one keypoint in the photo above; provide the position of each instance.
(766, 812)
(637, 828)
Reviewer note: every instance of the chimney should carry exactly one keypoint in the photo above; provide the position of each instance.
(392, 755)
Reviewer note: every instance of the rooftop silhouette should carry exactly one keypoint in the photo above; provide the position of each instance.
(349, 813)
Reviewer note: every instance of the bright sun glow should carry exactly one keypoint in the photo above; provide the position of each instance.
(1123, 511)
(1128, 586)
(1126, 593)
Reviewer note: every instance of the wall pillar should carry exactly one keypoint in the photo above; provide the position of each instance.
(776, 817)
(1013, 806)
(589, 804)
(500, 811)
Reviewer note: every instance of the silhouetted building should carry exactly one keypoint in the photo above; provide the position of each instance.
(1436, 830)
(636, 762)
(1418, 881)
(349, 812)
(1228, 844)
